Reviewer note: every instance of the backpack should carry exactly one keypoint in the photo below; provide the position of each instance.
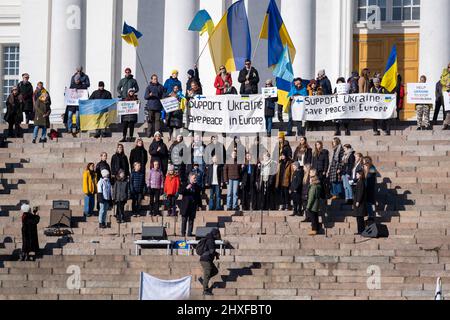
(200, 249)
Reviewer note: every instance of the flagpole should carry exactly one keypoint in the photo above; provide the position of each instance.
(201, 53)
(142, 67)
(256, 48)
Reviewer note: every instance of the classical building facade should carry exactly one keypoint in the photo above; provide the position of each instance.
(49, 38)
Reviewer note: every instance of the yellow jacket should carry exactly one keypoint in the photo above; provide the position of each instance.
(445, 79)
(89, 186)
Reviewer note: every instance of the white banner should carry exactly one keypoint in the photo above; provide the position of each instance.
(446, 95)
(170, 104)
(128, 107)
(270, 92)
(152, 288)
(73, 96)
(340, 107)
(421, 93)
(227, 114)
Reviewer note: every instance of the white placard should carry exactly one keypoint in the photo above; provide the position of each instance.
(170, 104)
(128, 107)
(342, 88)
(421, 93)
(271, 92)
(446, 95)
(73, 96)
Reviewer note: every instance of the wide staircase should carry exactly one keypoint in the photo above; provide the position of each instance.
(281, 262)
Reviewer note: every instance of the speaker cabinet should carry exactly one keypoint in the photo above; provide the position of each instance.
(60, 218)
(154, 233)
(202, 232)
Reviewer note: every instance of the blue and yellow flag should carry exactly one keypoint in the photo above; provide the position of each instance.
(389, 81)
(131, 35)
(97, 114)
(230, 42)
(274, 30)
(202, 23)
(284, 75)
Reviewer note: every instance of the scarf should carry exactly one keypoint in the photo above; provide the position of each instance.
(347, 155)
(337, 151)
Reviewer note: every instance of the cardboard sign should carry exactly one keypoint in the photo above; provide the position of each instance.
(73, 96)
(170, 104)
(270, 92)
(421, 93)
(128, 107)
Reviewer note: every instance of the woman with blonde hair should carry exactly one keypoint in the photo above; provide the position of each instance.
(89, 189)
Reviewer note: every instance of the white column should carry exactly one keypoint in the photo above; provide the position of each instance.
(181, 45)
(346, 38)
(300, 20)
(130, 16)
(65, 52)
(434, 38)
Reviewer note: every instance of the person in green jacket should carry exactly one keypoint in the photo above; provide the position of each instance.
(313, 204)
(126, 84)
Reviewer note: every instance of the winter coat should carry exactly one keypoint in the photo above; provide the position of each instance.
(140, 155)
(220, 83)
(84, 79)
(284, 174)
(347, 165)
(285, 148)
(102, 165)
(363, 85)
(400, 97)
(100, 95)
(270, 105)
(209, 175)
(191, 200)
(155, 179)
(137, 183)
(26, 92)
(325, 84)
(133, 118)
(209, 252)
(253, 79)
(42, 113)
(172, 184)
(30, 241)
(232, 172)
(267, 171)
(321, 162)
(360, 196)
(308, 156)
(126, 84)
(317, 92)
(314, 192)
(89, 182)
(154, 100)
(121, 191)
(176, 158)
(445, 79)
(379, 90)
(119, 161)
(195, 78)
(162, 156)
(371, 184)
(200, 177)
(104, 190)
(249, 179)
(305, 190)
(297, 181)
(171, 83)
(336, 165)
(14, 109)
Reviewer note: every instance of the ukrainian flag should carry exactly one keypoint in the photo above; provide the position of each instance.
(202, 23)
(284, 75)
(230, 42)
(131, 35)
(389, 81)
(274, 30)
(97, 114)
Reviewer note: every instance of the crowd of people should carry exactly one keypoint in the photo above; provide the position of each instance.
(35, 104)
(301, 179)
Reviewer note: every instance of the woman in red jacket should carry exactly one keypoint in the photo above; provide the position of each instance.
(221, 78)
(171, 188)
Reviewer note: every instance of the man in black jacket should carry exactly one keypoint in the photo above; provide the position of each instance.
(296, 189)
(100, 94)
(249, 79)
(207, 261)
(153, 94)
(26, 91)
(249, 175)
(191, 193)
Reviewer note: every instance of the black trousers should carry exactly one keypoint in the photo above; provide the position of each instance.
(187, 221)
(345, 123)
(248, 197)
(154, 122)
(155, 194)
(29, 116)
(314, 217)
(361, 224)
(267, 197)
(136, 203)
(128, 125)
(384, 125)
(209, 271)
(172, 205)
(437, 108)
(12, 132)
(296, 198)
(120, 210)
(283, 196)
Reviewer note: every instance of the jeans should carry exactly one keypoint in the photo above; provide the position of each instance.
(89, 203)
(347, 187)
(269, 124)
(104, 207)
(232, 195)
(69, 119)
(336, 189)
(36, 131)
(214, 199)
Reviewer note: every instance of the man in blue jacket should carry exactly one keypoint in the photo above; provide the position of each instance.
(298, 89)
(153, 94)
(172, 82)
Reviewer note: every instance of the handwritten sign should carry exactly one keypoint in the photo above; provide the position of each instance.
(421, 93)
(128, 107)
(270, 92)
(170, 104)
(73, 96)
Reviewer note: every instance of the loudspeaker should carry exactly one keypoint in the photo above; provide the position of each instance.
(60, 218)
(61, 205)
(154, 233)
(202, 232)
(376, 230)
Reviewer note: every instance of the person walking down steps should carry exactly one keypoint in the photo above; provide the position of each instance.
(206, 249)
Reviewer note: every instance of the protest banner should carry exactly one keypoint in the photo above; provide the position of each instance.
(446, 95)
(73, 96)
(227, 114)
(421, 93)
(170, 104)
(339, 107)
(271, 92)
(128, 107)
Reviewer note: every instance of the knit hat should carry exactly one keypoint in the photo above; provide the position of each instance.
(131, 90)
(157, 133)
(127, 69)
(281, 135)
(174, 72)
(191, 73)
(105, 173)
(25, 208)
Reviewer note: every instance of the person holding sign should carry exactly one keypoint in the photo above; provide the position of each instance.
(269, 109)
(175, 118)
(75, 109)
(423, 112)
(378, 89)
(297, 90)
(100, 94)
(129, 120)
(342, 88)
